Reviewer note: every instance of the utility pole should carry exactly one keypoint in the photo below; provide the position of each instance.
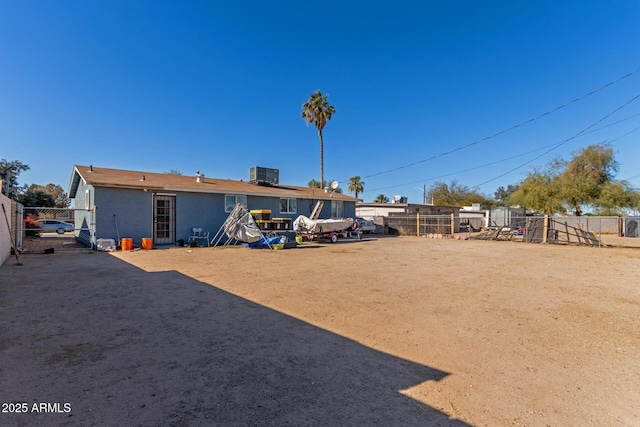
(5, 183)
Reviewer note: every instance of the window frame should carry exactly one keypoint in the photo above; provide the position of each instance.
(288, 201)
(337, 209)
(238, 198)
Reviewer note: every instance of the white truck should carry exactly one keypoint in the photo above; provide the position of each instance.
(366, 226)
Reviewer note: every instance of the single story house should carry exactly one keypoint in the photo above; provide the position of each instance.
(115, 203)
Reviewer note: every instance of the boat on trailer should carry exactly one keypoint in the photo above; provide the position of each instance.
(324, 228)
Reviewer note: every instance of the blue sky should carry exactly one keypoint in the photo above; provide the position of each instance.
(218, 87)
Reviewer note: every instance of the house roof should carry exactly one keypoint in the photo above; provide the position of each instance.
(152, 181)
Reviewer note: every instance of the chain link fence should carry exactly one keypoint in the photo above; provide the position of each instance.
(421, 224)
(52, 229)
(526, 228)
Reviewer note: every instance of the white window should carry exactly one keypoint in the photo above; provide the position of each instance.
(87, 199)
(337, 209)
(230, 202)
(288, 206)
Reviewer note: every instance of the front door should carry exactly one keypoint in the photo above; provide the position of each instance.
(164, 220)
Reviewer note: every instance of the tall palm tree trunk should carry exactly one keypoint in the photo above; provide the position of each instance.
(321, 160)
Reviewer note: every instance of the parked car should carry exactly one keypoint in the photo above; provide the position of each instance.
(50, 225)
(366, 226)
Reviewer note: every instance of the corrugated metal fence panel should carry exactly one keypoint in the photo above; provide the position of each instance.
(594, 224)
(632, 227)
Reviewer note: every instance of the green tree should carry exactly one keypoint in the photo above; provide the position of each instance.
(50, 195)
(356, 185)
(381, 198)
(315, 184)
(539, 191)
(453, 194)
(585, 181)
(173, 172)
(586, 174)
(502, 193)
(9, 171)
(615, 196)
(318, 111)
(33, 197)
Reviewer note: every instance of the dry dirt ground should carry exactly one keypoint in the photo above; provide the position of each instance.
(389, 331)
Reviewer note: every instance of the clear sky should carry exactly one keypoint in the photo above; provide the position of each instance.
(217, 86)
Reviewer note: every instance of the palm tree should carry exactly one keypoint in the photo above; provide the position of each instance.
(356, 185)
(381, 199)
(318, 111)
(314, 184)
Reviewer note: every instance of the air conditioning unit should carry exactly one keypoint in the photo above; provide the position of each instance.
(399, 199)
(260, 175)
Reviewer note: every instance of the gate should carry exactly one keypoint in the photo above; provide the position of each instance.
(57, 229)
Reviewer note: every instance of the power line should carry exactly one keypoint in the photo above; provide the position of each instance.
(464, 170)
(626, 134)
(563, 142)
(462, 147)
(512, 157)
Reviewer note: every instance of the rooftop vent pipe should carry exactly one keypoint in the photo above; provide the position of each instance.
(199, 177)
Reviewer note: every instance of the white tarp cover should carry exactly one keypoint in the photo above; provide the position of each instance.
(241, 226)
(307, 225)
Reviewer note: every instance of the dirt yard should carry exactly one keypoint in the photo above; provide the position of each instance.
(390, 331)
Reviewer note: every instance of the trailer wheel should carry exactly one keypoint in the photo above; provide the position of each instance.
(334, 238)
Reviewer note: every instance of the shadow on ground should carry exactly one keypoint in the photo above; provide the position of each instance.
(123, 346)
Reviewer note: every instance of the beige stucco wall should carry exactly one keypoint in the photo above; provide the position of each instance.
(5, 236)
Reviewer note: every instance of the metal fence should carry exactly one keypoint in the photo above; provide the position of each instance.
(421, 224)
(529, 227)
(53, 229)
(620, 226)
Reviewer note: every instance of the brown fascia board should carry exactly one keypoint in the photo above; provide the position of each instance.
(204, 187)
(127, 186)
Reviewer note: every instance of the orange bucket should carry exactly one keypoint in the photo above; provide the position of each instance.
(127, 244)
(147, 243)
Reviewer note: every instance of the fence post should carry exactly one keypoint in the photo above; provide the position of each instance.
(599, 230)
(545, 228)
(453, 224)
(418, 224)
(620, 233)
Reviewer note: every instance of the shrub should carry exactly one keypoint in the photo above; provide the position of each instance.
(29, 225)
